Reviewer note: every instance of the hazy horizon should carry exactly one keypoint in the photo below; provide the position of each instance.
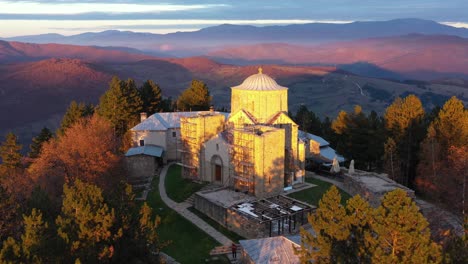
(70, 17)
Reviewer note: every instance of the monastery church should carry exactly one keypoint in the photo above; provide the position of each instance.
(255, 149)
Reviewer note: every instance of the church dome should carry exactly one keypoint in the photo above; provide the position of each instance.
(259, 82)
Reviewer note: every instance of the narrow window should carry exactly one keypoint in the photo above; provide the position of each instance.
(174, 134)
(217, 147)
(142, 142)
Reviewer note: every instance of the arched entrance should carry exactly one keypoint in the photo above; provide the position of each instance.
(217, 169)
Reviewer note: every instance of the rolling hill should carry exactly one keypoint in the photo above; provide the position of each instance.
(36, 85)
(412, 56)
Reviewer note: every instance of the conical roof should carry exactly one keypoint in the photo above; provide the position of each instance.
(259, 82)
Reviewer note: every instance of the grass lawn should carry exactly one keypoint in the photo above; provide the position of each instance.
(314, 194)
(188, 244)
(177, 188)
(230, 234)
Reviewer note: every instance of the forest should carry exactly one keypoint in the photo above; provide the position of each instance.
(67, 201)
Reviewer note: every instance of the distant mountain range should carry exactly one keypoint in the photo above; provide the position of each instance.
(207, 39)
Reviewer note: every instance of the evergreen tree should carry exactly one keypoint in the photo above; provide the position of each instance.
(443, 168)
(329, 223)
(31, 246)
(75, 112)
(404, 124)
(359, 218)
(195, 98)
(401, 233)
(86, 223)
(121, 105)
(10, 218)
(151, 95)
(451, 125)
(10, 156)
(44, 136)
(308, 121)
(355, 132)
(391, 160)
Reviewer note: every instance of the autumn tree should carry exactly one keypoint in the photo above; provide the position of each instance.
(37, 142)
(404, 124)
(10, 156)
(87, 151)
(86, 223)
(121, 105)
(195, 98)
(401, 233)
(74, 113)
(151, 95)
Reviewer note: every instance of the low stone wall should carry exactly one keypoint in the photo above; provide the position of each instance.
(245, 226)
(372, 186)
(214, 211)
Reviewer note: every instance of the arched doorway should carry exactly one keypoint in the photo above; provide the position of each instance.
(217, 169)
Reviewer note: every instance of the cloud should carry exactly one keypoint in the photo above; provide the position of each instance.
(456, 24)
(162, 26)
(72, 8)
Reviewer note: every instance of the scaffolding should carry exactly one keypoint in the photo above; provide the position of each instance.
(242, 154)
(190, 146)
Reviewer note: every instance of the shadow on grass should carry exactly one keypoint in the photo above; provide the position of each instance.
(178, 188)
(230, 234)
(188, 243)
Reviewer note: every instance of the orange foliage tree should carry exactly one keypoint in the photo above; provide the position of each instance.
(86, 151)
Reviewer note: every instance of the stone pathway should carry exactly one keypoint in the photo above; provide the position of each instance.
(181, 208)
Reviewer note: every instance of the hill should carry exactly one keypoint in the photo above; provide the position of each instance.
(412, 56)
(36, 92)
(19, 51)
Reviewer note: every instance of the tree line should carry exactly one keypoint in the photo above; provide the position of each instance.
(394, 232)
(426, 151)
(67, 200)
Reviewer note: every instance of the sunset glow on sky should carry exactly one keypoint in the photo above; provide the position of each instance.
(70, 17)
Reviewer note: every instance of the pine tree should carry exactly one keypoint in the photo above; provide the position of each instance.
(31, 246)
(44, 136)
(151, 95)
(451, 125)
(148, 229)
(442, 170)
(74, 113)
(10, 156)
(401, 233)
(391, 160)
(404, 124)
(86, 223)
(359, 219)
(195, 98)
(331, 228)
(121, 105)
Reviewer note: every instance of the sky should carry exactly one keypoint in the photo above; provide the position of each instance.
(69, 17)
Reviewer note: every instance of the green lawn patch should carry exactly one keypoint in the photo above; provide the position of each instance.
(313, 195)
(230, 234)
(178, 188)
(189, 244)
